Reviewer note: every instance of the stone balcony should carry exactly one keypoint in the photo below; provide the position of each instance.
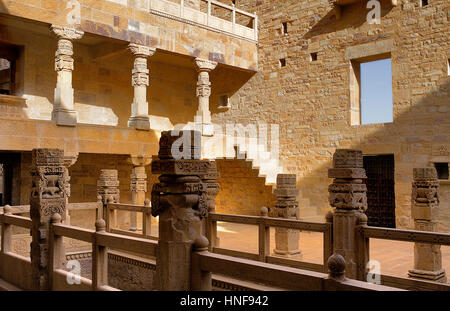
(191, 12)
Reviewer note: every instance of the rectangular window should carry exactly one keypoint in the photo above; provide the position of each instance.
(442, 171)
(282, 62)
(6, 77)
(313, 57)
(424, 2)
(371, 91)
(285, 28)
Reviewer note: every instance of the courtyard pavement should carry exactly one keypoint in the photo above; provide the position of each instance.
(395, 258)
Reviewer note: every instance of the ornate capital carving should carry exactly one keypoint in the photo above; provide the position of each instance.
(348, 190)
(141, 50)
(205, 65)
(108, 186)
(140, 160)
(68, 33)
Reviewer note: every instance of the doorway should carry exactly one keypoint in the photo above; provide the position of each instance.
(380, 183)
(10, 178)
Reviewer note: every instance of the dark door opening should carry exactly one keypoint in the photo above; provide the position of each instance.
(10, 179)
(380, 190)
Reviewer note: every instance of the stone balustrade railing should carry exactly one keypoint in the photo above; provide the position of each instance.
(111, 219)
(195, 16)
(264, 224)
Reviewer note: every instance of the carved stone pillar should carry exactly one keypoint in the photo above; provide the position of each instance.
(48, 197)
(63, 108)
(138, 185)
(68, 162)
(140, 80)
(180, 201)
(286, 240)
(203, 117)
(212, 190)
(425, 212)
(347, 194)
(108, 189)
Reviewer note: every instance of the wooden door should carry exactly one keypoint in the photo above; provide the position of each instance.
(380, 190)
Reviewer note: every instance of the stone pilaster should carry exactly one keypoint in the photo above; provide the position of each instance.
(140, 81)
(347, 194)
(425, 212)
(68, 162)
(48, 197)
(138, 185)
(286, 206)
(63, 107)
(212, 190)
(180, 201)
(203, 116)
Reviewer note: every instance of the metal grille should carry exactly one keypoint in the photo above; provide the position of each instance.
(380, 190)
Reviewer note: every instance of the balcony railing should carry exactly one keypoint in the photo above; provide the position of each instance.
(179, 10)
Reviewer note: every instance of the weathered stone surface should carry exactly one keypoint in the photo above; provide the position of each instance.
(425, 212)
(286, 206)
(180, 200)
(48, 197)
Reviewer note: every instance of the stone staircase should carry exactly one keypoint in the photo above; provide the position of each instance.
(266, 163)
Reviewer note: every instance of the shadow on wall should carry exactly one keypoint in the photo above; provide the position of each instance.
(349, 19)
(421, 131)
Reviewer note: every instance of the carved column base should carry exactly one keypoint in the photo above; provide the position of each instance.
(140, 123)
(286, 241)
(64, 117)
(435, 276)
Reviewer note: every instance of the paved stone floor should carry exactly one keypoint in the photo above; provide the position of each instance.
(395, 258)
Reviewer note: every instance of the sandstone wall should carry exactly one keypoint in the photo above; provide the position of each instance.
(241, 190)
(310, 100)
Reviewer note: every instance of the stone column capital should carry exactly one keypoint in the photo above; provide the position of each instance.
(140, 160)
(205, 65)
(68, 33)
(141, 50)
(70, 160)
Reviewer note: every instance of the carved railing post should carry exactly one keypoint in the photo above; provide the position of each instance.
(212, 190)
(63, 109)
(425, 212)
(48, 197)
(180, 201)
(68, 162)
(203, 117)
(138, 185)
(347, 194)
(286, 206)
(108, 189)
(140, 80)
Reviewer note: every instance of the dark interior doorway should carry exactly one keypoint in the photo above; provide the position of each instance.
(380, 182)
(10, 162)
